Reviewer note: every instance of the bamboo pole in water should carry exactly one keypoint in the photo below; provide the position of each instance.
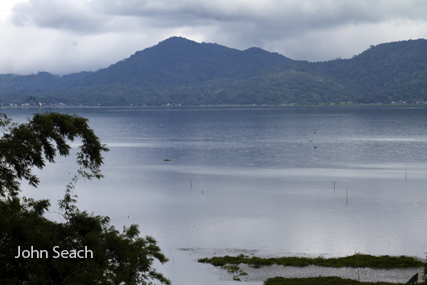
(406, 175)
(346, 196)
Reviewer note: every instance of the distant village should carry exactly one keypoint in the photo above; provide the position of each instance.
(39, 104)
(27, 105)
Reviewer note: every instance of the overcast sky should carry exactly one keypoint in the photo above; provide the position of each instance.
(65, 36)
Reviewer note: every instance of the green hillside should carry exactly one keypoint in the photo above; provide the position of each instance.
(180, 71)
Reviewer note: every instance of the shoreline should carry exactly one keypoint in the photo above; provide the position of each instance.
(391, 269)
(364, 274)
(291, 105)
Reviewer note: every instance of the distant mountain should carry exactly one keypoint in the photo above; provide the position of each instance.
(181, 71)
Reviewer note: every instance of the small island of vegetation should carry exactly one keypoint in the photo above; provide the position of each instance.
(357, 260)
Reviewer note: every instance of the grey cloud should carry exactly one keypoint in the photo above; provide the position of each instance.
(110, 30)
(57, 14)
(277, 18)
(298, 15)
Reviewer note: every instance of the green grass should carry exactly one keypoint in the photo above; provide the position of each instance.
(319, 281)
(356, 260)
(231, 268)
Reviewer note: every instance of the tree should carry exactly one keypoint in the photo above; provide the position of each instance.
(84, 248)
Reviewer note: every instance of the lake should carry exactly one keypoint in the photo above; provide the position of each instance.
(304, 181)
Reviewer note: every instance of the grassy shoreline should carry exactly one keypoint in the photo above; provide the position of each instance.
(322, 281)
(358, 260)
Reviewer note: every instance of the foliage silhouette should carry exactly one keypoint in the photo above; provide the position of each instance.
(35, 250)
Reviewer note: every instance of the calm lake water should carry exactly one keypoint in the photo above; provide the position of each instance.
(273, 180)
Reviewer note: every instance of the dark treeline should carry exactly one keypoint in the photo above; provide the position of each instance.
(180, 71)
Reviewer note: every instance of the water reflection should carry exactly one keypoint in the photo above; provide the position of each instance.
(253, 179)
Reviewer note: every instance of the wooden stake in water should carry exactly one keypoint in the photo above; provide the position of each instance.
(346, 196)
(406, 175)
(358, 274)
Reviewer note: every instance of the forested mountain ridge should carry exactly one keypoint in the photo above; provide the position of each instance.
(181, 71)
